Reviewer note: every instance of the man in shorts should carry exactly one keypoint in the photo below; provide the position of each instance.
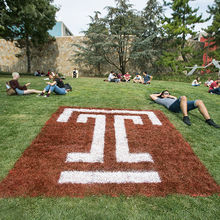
(183, 105)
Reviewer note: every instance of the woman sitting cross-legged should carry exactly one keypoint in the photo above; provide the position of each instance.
(57, 86)
(183, 105)
(21, 90)
(196, 82)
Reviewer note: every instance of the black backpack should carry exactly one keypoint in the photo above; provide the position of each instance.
(68, 86)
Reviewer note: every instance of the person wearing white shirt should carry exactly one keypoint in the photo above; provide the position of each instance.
(196, 82)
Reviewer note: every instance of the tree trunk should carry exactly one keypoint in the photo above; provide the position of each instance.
(122, 64)
(183, 46)
(28, 53)
(99, 69)
(123, 68)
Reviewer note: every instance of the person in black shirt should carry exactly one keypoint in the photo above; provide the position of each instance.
(56, 86)
(59, 82)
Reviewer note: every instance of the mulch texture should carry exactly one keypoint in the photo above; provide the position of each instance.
(38, 170)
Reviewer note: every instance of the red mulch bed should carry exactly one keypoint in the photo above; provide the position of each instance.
(38, 170)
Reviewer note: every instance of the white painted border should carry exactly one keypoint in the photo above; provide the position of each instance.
(119, 177)
(64, 117)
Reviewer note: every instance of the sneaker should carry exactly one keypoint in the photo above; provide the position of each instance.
(186, 120)
(47, 96)
(41, 94)
(212, 123)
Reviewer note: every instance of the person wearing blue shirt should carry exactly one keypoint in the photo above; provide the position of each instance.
(147, 78)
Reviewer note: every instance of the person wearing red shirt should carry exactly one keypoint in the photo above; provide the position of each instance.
(127, 77)
(215, 87)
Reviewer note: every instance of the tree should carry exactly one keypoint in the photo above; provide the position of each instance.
(110, 38)
(213, 30)
(121, 24)
(147, 42)
(27, 22)
(177, 27)
(89, 51)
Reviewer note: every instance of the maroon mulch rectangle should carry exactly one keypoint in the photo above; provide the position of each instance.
(38, 170)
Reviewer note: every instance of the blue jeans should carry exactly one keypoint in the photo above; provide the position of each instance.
(175, 107)
(115, 80)
(56, 89)
(216, 91)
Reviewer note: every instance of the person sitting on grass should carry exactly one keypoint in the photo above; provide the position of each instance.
(147, 78)
(127, 77)
(182, 105)
(209, 82)
(57, 86)
(113, 77)
(137, 78)
(37, 73)
(196, 82)
(119, 76)
(21, 90)
(215, 87)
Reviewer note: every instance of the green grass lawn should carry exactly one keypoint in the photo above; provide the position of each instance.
(22, 117)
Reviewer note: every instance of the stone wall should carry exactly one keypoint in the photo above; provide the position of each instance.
(56, 56)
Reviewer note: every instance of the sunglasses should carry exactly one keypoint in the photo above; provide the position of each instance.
(166, 93)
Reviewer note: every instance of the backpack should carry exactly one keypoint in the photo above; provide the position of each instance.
(68, 86)
(9, 90)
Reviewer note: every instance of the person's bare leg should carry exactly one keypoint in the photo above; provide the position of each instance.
(202, 108)
(30, 91)
(183, 105)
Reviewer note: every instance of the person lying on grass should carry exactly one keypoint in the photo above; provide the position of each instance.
(21, 90)
(182, 105)
(57, 86)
